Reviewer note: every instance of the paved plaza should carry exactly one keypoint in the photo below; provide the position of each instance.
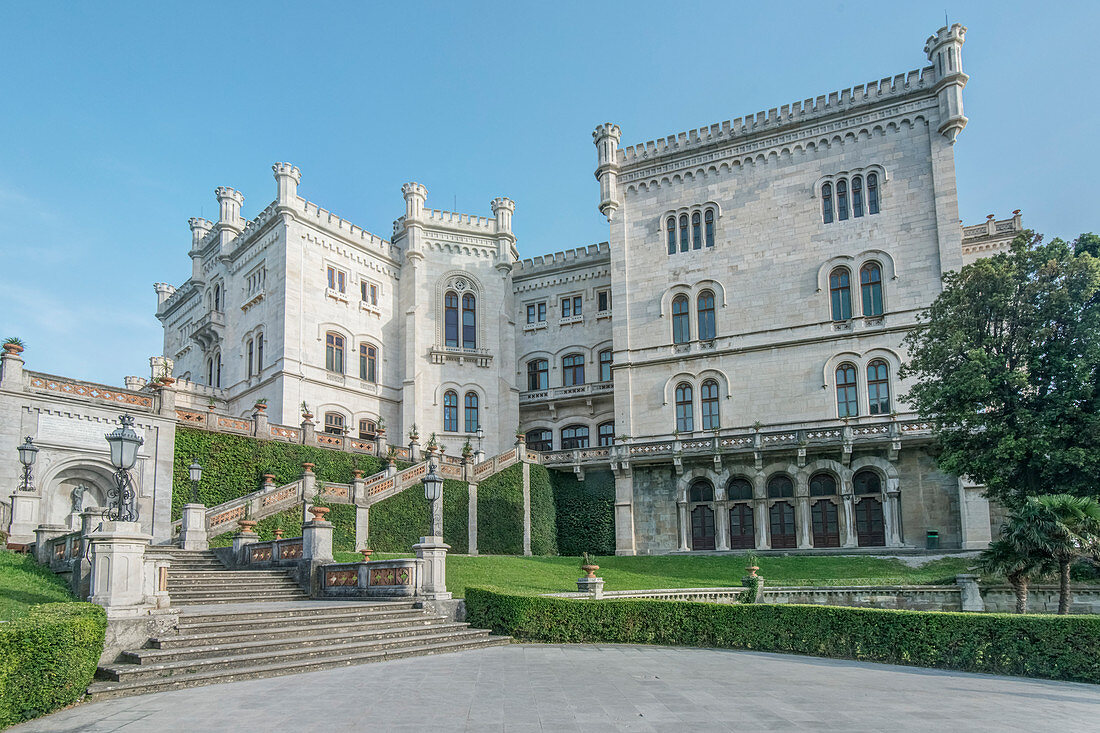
(526, 687)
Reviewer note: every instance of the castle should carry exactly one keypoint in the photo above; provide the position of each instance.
(731, 353)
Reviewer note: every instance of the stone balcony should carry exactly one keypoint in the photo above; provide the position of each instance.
(554, 396)
(209, 329)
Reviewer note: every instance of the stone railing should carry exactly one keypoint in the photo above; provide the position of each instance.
(269, 500)
(273, 553)
(702, 595)
(402, 577)
(64, 550)
(129, 399)
(559, 394)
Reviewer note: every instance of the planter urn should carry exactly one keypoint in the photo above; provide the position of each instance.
(590, 570)
(278, 534)
(752, 570)
(13, 348)
(366, 554)
(247, 525)
(319, 512)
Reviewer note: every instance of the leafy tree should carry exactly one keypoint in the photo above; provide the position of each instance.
(1059, 529)
(1006, 365)
(1002, 557)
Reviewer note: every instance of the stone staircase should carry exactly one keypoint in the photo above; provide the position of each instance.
(240, 643)
(198, 577)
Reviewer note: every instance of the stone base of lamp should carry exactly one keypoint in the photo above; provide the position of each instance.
(433, 551)
(118, 580)
(24, 517)
(193, 528)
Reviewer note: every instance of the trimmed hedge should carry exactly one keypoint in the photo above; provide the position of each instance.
(1055, 647)
(48, 658)
(544, 524)
(585, 512)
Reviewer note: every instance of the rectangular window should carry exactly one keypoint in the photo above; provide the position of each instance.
(603, 300)
(542, 312)
(605, 366)
(259, 354)
(337, 280)
(531, 313)
(576, 305)
(566, 307)
(251, 345)
(369, 293)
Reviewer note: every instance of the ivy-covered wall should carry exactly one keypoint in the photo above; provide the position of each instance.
(585, 512)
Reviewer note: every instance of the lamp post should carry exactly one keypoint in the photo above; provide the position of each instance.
(433, 492)
(195, 472)
(480, 437)
(124, 442)
(28, 452)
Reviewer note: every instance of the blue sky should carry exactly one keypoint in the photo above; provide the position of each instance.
(120, 119)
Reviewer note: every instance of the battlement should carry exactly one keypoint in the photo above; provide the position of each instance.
(593, 254)
(993, 227)
(453, 218)
(314, 214)
(795, 113)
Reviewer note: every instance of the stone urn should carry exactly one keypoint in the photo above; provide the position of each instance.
(278, 534)
(319, 512)
(269, 478)
(307, 467)
(211, 407)
(366, 554)
(247, 525)
(260, 406)
(357, 473)
(752, 570)
(13, 348)
(590, 570)
(166, 381)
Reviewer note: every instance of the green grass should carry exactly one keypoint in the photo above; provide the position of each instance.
(557, 574)
(24, 583)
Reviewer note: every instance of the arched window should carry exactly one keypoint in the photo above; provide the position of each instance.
(368, 429)
(540, 439)
(334, 423)
(842, 199)
(685, 419)
(696, 232)
(218, 370)
(870, 285)
(706, 315)
(450, 411)
(210, 371)
(605, 433)
(878, 388)
(259, 353)
(471, 412)
(700, 490)
(827, 203)
(681, 325)
(847, 401)
(251, 349)
(872, 193)
(683, 233)
(739, 489)
(605, 365)
(368, 363)
(334, 352)
(840, 293)
(866, 482)
(469, 322)
(671, 226)
(708, 400)
(217, 297)
(780, 486)
(450, 318)
(574, 436)
(538, 374)
(708, 220)
(572, 370)
(822, 484)
(857, 196)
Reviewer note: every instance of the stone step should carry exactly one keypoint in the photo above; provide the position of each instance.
(260, 631)
(304, 639)
(270, 596)
(233, 590)
(225, 574)
(234, 585)
(207, 623)
(103, 689)
(128, 672)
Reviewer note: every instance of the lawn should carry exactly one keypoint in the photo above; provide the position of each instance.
(23, 583)
(556, 574)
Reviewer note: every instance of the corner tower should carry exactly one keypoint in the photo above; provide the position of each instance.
(945, 52)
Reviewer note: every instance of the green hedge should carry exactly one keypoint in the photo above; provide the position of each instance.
(48, 658)
(1056, 647)
(585, 512)
(544, 521)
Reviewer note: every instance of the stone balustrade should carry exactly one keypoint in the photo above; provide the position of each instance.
(399, 578)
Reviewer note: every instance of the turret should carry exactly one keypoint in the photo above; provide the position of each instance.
(503, 208)
(287, 178)
(415, 196)
(164, 291)
(606, 138)
(199, 229)
(945, 52)
(229, 207)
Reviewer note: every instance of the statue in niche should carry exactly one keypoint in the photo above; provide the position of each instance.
(78, 498)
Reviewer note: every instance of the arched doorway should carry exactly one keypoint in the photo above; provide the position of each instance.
(870, 527)
(701, 499)
(781, 513)
(73, 489)
(824, 520)
(742, 531)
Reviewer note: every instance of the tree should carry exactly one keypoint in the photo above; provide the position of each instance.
(1002, 557)
(1006, 365)
(1057, 528)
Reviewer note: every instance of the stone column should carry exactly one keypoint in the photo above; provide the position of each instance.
(308, 438)
(433, 552)
(259, 422)
(891, 515)
(802, 523)
(241, 541)
(624, 513)
(316, 551)
(380, 444)
(193, 528)
(42, 536)
(848, 520)
(760, 519)
(118, 567)
(682, 508)
(90, 519)
(971, 595)
(974, 516)
(157, 562)
(168, 399)
(309, 490)
(472, 518)
(414, 450)
(362, 527)
(24, 516)
(11, 378)
(526, 508)
(722, 525)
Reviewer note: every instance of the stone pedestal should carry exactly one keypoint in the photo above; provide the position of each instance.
(970, 593)
(24, 517)
(11, 371)
(157, 562)
(317, 541)
(118, 567)
(193, 529)
(433, 551)
(592, 586)
(241, 541)
(42, 535)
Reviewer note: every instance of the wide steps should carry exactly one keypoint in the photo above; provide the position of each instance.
(105, 689)
(257, 631)
(207, 599)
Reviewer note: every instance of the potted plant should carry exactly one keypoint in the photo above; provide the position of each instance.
(319, 508)
(13, 345)
(433, 444)
(380, 429)
(588, 566)
(752, 566)
(261, 404)
(366, 553)
(467, 449)
(278, 527)
(390, 460)
(414, 433)
(246, 523)
(211, 404)
(306, 414)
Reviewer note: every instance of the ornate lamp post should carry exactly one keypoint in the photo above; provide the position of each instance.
(195, 472)
(124, 442)
(28, 452)
(480, 437)
(433, 492)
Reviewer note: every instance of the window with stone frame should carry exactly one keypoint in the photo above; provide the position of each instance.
(847, 396)
(605, 433)
(368, 363)
(368, 429)
(450, 411)
(840, 293)
(471, 412)
(681, 320)
(605, 365)
(450, 319)
(870, 285)
(572, 370)
(705, 315)
(334, 352)
(878, 388)
(574, 436)
(538, 374)
(334, 423)
(540, 439)
(708, 400)
(685, 419)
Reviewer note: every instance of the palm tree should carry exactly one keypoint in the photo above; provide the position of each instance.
(1061, 528)
(1004, 558)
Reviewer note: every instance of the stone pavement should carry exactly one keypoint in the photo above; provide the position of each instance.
(527, 687)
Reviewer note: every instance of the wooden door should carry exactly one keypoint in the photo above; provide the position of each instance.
(826, 525)
(742, 532)
(702, 528)
(870, 529)
(782, 525)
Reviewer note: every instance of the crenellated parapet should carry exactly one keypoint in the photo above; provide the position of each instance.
(591, 255)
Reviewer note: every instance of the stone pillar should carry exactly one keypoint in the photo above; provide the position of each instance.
(380, 444)
(802, 523)
(241, 541)
(118, 566)
(472, 518)
(682, 508)
(308, 437)
(362, 527)
(526, 508)
(81, 580)
(891, 515)
(624, 514)
(391, 468)
(974, 516)
(309, 490)
(11, 378)
(42, 536)
(970, 593)
(760, 519)
(592, 586)
(317, 541)
(414, 450)
(24, 516)
(848, 520)
(193, 528)
(157, 562)
(433, 552)
(722, 525)
(260, 425)
(167, 394)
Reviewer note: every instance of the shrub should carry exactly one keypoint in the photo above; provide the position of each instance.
(47, 658)
(1056, 647)
(585, 512)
